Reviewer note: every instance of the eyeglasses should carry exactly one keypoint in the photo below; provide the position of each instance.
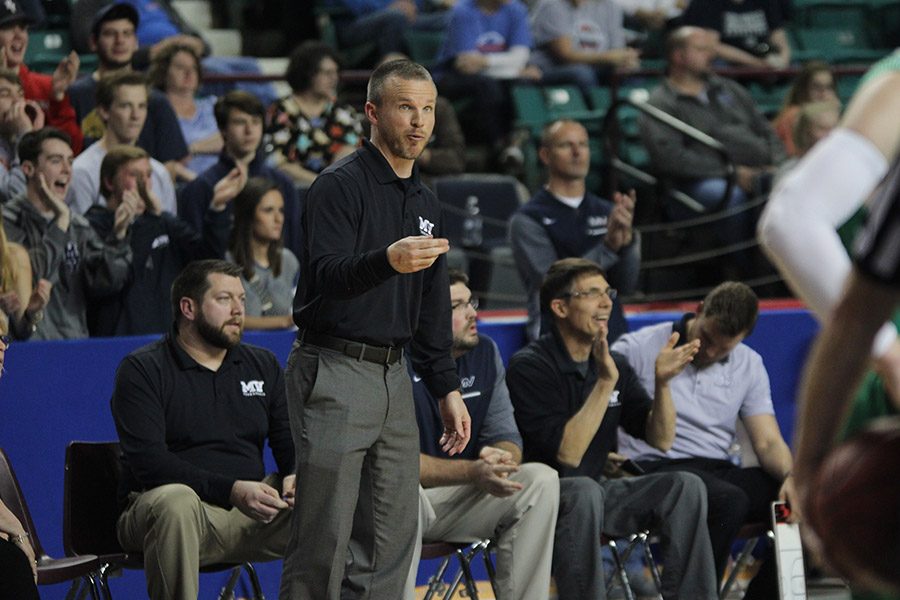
(473, 302)
(592, 294)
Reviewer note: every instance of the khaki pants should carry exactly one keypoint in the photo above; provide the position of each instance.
(521, 525)
(178, 533)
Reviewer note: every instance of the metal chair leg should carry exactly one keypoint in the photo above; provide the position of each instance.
(467, 571)
(436, 580)
(651, 563)
(620, 571)
(737, 565)
(227, 591)
(489, 566)
(254, 581)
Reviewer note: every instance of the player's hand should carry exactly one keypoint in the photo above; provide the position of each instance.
(490, 473)
(65, 74)
(416, 252)
(259, 501)
(672, 360)
(289, 489)
(457, 423)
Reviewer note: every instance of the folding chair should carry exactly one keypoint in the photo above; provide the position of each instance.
(50, 570)
(636, 540)
(464, 554)
(752, 533)
(90, 513)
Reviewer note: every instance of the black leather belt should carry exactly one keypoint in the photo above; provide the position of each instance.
(382, 355)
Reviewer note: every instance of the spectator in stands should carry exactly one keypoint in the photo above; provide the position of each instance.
(565, 220)
(570, 395)
(18, 116)
(309, 130)
(445, 153)
(814, 121)
(160, 26)
(61, 244)
(488, 44)
(161, 244)
(193, 411)
(721, 108)
(49, 91)
(814, 83)
(653, 14)
(268, 270)
(113, 39)
(239, 116)
(726, 381)
(580, 41)
(122, 106)
(21, 307)
(485, 491)
(384, 21)
(176, 71)
(748, 32)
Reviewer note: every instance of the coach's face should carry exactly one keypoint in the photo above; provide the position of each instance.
(404, 119)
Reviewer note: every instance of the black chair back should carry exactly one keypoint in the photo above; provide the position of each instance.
(496, 199)
(90, 507)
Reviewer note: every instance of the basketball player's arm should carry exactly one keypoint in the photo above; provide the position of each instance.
(833, 372)
(798, 227)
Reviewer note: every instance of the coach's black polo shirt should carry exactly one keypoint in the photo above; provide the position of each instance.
(354, 210)
(179, 422)
(547, 387)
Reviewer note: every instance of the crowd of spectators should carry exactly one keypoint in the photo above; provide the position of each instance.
(203, 149)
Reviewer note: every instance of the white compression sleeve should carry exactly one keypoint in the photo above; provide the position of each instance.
(507, 65)
(798, 228)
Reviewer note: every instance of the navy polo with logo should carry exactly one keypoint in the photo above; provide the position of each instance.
(179, 422)
(478, 374)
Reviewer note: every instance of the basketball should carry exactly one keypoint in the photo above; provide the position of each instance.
(854, 506)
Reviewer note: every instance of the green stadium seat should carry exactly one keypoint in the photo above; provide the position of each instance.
(46, 48)
(424, 46)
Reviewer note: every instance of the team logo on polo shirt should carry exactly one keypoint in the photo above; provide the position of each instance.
(252, 388)
(614, 398)
(425, 226)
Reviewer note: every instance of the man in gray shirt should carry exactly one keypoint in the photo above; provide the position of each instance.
(62, 246)
(719, 107)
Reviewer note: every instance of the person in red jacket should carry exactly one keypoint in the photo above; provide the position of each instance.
(48, 90)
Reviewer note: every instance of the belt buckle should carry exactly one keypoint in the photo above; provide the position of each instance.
(362, 352)
(387, 356)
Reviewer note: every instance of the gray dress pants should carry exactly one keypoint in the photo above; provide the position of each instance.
(356, 511)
